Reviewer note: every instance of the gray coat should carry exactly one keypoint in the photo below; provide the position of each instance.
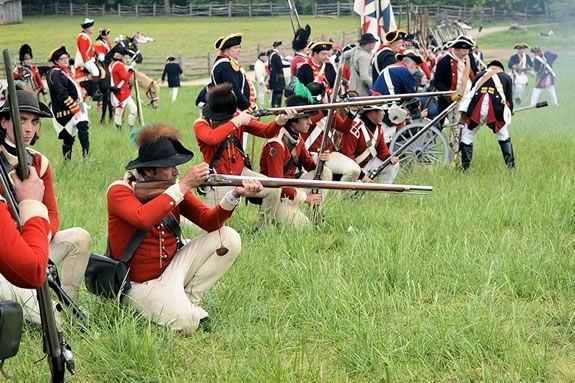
(359, 61)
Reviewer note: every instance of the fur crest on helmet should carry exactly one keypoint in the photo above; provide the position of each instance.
(301, 37)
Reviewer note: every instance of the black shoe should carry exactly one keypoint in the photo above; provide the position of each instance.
(507, 151)
(206, 324)
(85, 142)
(67, 152)
(466, 152)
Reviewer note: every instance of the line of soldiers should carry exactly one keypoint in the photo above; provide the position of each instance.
(163, 264)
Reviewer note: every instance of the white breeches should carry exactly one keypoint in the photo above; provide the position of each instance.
(276, 209)
(133, 112)
(174, 94)
(173, 299)
(537, 92)
(468, 135)
(341, 164)
(70, 250)
(388, 175)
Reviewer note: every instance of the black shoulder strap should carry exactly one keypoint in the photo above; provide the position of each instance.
(174, 227)
(293, 161)
(218, 153)
(133, 244)
(223, 145)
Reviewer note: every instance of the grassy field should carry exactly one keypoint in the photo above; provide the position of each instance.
(472, 283)
(174, 36)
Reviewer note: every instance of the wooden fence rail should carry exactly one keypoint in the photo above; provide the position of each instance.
(230, 9)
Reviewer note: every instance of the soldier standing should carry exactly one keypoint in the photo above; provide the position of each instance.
(492, 105)
(226, 68)
(520, 64)
(277, 79)
(385, 55)
(121, 96)
(27, 72)
(299, 45)
(318, 67)
(85, 60)
(543, 65)
(71, 116)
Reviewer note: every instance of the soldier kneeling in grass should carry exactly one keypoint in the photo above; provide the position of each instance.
(169, 278)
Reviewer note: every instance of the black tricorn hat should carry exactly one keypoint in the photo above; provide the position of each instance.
(367, 38)
(277, 44)
(299, 101)
(462, 42)
(317, 90)
(28, 102)
(393, 36)
(496, 63)
(521, 46)
(221, 102)
(318, 46)
(159, 146)
(57, 53)
(87, 23)
(228, 41)
(171, 58)
(301, 37)
(410, 54)
(25, 52)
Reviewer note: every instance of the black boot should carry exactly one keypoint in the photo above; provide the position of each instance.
(85, 142)
(507, 151)
(84, 138)
(466, 152)
(67, 151)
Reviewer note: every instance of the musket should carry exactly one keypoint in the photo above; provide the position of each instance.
(329, 123)
(541, 104)
(293, 14)
(376, 100)
(58, 352)
(148, 190)
(139, 110)
(375, 172)
(216, 180)
(405, 95)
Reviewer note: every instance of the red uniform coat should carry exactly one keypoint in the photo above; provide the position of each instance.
(20, 73)
(341, 124)
(85, 47)
(353, 143)
(126, 214)
(102, 47)
(281, 156)
(120, 79)
(209, 139)
(44, 170)
(24, 255)
(298, 60)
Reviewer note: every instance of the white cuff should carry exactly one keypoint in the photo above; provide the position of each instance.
(175, 192)
(229, 202)
(30, 208)
(300, 196)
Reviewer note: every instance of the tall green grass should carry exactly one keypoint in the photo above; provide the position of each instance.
(471, 283)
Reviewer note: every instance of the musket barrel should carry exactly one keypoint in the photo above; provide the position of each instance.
(228, 180)
(541, 104)
(22, 169)
(364, 101)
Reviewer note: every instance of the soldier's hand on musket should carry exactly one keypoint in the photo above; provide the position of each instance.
(394, 160)
(455, 97)
(30, 188)
(288, 114)
(249, 188)
(243, 118)
(196, 176)
(313, 199)
(324, 156)
(424, 113)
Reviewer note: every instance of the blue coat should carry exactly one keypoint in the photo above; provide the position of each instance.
(403, 81)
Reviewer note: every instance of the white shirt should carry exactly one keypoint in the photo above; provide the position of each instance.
(260, 71)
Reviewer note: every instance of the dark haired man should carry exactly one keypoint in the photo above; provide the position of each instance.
(169, 278)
